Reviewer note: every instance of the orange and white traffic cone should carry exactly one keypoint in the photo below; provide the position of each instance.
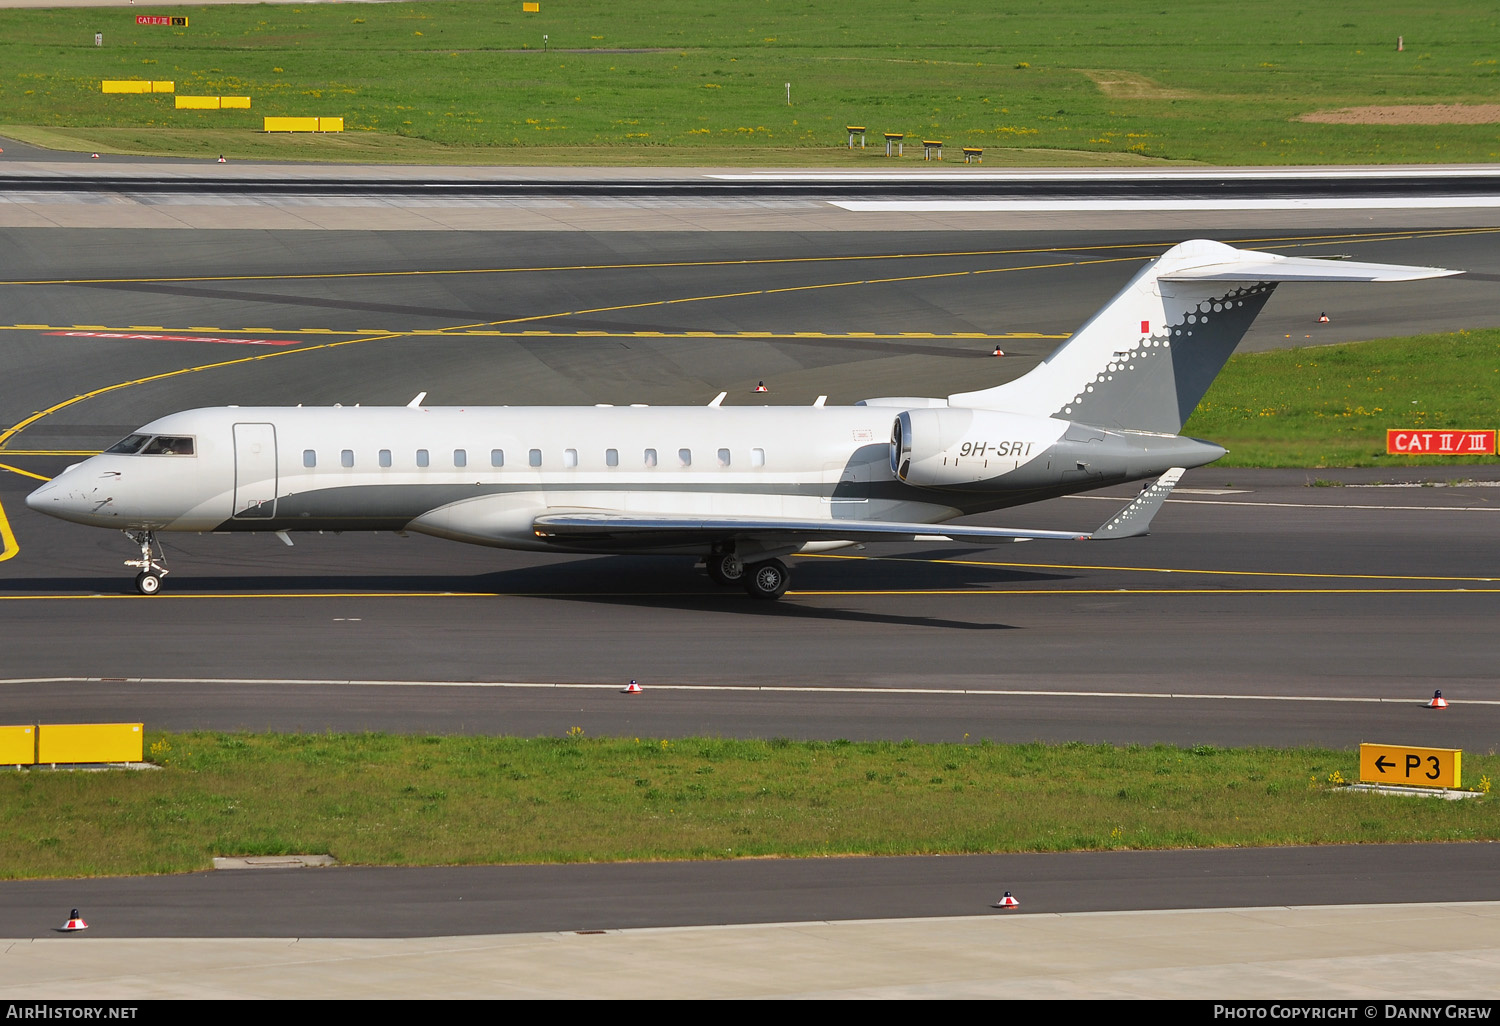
(1438, 701)
(1009, 901)
(1322, 318)
(75, 922)
(633, 689)
(761, 388)
(998, 352)
(95, 156)
(222, 160)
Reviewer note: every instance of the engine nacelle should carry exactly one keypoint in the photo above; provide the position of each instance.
(959, 448)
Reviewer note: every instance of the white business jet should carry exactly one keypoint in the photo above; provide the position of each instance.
(741, 488)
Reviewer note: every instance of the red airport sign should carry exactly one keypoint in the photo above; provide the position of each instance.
(1414, 442)
(177, 21)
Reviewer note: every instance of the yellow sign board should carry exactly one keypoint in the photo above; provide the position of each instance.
(531, 8)
(17, 746)
(1409, 766)
(89, 742)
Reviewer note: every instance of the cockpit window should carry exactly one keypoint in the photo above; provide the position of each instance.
(168, 445)
(129, 444)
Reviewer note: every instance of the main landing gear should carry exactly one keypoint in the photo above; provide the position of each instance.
(767, 579)
(148, 581)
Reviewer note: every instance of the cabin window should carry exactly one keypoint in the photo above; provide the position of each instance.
(684, 457)
(168, 445)
(129, 445)
(534, 457)
(309, 457)
(723, 457)
(497, 457)
(421, 457)
(650, 457)
(757, 457)
(460, 458)
(346, 458)
(611, 457)
(385, 457)
(570, 457)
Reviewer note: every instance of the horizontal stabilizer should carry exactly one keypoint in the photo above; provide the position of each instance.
(1256, 266)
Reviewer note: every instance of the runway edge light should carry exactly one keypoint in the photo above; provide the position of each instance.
(1009, 901)
(75, 923)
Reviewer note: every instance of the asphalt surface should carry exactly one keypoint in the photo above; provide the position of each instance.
(486, 900)
(1255, 586)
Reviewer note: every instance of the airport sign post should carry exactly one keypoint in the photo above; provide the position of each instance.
(1410, 766)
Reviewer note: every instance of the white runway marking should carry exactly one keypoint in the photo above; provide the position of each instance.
(734, 688)
(1302, 505)
(959, 206)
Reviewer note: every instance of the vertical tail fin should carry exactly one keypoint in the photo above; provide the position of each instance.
(1144, 361)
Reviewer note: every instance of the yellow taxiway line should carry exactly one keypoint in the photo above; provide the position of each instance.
(8, 546)
(842, 593)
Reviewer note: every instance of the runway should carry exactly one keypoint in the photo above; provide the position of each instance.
(1265, 608)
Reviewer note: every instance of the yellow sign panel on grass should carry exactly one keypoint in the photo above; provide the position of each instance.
(330, 124)
(1410, 766)
(197, 102)
(291, 124)
(89, 742)
(17, 746)
(227, 102)
(531, 8)
(126, 86)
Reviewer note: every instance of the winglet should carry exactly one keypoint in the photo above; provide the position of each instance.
(1135, 520)
(718, 399)
(416, 401)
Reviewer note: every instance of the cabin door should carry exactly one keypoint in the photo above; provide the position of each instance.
(254, 471)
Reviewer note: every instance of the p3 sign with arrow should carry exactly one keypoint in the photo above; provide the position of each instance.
(1409, 766)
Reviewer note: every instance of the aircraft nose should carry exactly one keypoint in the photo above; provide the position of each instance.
(42, 497)
(63, 497)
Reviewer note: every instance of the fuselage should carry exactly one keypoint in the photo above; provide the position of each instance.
(483, 474)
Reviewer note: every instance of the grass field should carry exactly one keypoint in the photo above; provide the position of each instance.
(388, 800)
(686, 81)
(1330, 406)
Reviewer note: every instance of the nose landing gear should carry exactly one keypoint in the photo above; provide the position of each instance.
(148, 581)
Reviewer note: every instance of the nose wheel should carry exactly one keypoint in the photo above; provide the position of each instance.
(152, 569)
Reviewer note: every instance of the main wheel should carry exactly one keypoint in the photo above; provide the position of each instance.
(725, 569)
(767, 580)
(147, 583)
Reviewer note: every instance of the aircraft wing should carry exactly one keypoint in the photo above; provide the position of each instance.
(623, 529)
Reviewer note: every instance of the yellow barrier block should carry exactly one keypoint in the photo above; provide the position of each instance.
(242, 102)
(197, 103)
(531, 8)
(163, 87)
(126, 86)
(291, 124)
(17, 746)
(330, 124)
(89, 742)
